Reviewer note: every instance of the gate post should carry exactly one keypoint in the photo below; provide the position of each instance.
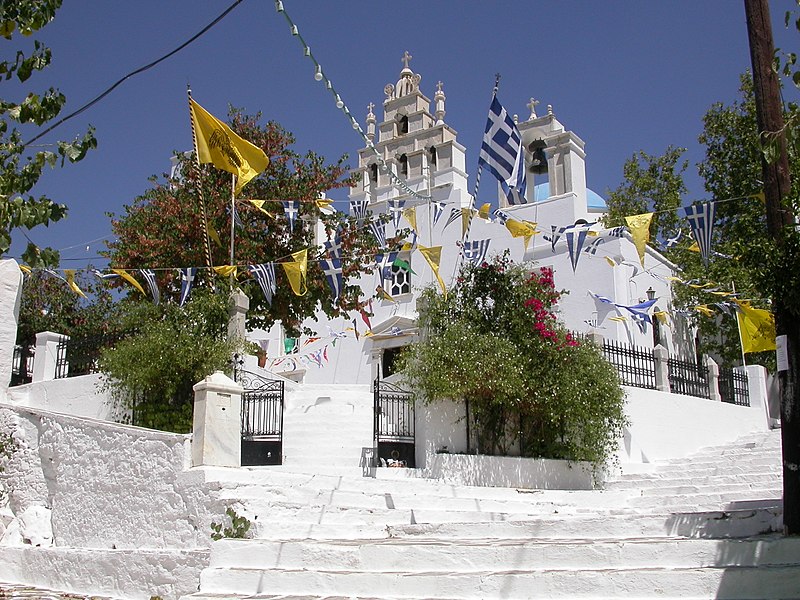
(45, 358)
(217, 422)
(713, 379)
(661, 357)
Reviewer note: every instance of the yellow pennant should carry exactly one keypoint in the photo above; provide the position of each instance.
(620, 319)
(661, 315)
(757, 327)
(610, 261)
(324, 204)
(129, 278)
(259, 204)
(25, 269)
(70, 274)
(640, 231)
(216, 143)
(483, 212)
(694, 248)
(434, 257)
(410, 215)
(383, 294)
(520, 228)
(212, 233)
(704, 310)
(296, 272)
(226, 270)
(466, 219)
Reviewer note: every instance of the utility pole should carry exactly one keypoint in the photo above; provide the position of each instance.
(780, 222)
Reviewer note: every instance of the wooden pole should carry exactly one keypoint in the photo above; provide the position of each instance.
(780, 221)
(206, 241)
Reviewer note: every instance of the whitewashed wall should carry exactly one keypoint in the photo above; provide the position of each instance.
(77, 396)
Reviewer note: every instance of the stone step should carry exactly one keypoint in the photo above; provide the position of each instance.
(424, 554)
(764, 582)
(703, 500)
(745, 488)
(713, 480)
(699, 463)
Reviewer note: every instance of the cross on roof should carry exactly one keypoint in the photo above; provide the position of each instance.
(370, 106)
(532, 105)
(406, 59)
(439, 86)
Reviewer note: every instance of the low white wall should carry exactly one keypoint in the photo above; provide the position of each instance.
(510, 471)
(77, 396)
(439, 425)
(666, 426)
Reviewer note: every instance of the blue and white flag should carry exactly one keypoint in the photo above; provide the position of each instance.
(503, 154)
(556, 234)
(187, 281)
(438, 209)
(104, 276)
(575, 237)
(455, 213)
(475, 251)
(384, 264)
(501, 215)
(616, 232)
(334, 246)
(593, 247)
(291, 208)
(701, 220)
(358, 209)
(150, 277)
(264, 274)
(673, 241)
(378, 229)
(333, 273)
(396, 208)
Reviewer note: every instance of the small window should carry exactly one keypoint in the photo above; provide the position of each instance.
(388, 362)
(432, 158)
(404, 165)
(402, 125)
(401, 280)
(373, 173)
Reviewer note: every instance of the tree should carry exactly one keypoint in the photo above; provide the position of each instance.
(20, 169)
(495, 343)
(652, 184)
(163, 228)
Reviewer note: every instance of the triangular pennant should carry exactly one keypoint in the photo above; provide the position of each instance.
(150, 277)
(187, 282)
(291, 209)
(70, 274)
(333, 273)
(575, 237)
(129, 278)
(410, 215)
(296, 271)
(264, 274)
(701, 220)
(434, 256)
(639, 226)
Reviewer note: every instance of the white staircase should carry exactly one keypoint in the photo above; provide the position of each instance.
(703, 527)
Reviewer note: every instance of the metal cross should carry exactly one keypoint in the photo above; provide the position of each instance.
(406, 58)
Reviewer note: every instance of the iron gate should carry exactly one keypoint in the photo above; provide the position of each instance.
(262, 420)
(394, 425)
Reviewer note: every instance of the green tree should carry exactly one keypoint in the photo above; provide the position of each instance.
(652, 184)
(495, 343)
(20, 168)
(163, 228)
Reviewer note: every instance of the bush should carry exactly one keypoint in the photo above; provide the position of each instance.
(495, 343)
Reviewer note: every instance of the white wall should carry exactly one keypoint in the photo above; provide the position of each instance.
(77, 396)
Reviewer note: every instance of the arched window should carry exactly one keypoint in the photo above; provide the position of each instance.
(373, 173)
(402, 125)
(432, 157)
(404, 165)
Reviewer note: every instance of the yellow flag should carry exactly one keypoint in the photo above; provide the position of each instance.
(212, 233)
(129, 278)
(757, 327)
(259, 204)
(704, 310)
(296, 271)
(325, 204)
(25, 269)
(640, 231)
(694, 248)
(661, 315)
(483, 213)
(434, 257)
(70, 274)
(466, 218)
(610, 261)
(410, 215)
(226, 270)
(520, 229)
(217, 144)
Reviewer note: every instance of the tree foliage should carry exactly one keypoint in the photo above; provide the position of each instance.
(20, 169)
(495, 342)
(163, 228)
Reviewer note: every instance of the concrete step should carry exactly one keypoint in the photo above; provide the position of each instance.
(656, 481)
(413, 555)
(718, 582)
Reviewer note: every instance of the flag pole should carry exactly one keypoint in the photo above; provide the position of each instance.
(206, 241)
(738, 328)
(233, 208)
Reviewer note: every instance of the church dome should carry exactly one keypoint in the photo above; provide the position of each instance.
(593, 199)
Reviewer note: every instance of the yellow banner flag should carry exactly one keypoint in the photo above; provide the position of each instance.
(226, 270)
(640, 231)
(483, 212)
(466, 219)
(757, 327)
(212, 233)
(25, 269)
(216, 143)
(296, 271)
(259, 204)
(70, 274)
(410, 215)
(434, 257)
(129, 278)
(520, 229)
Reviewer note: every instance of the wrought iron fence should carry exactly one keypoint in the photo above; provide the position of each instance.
(22, 365)
(689, 378)
(80, 355)
(394, 424)
(636, 366)
(733, 386)
(262, 419)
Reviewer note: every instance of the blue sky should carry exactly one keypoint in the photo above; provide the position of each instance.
(623, 75)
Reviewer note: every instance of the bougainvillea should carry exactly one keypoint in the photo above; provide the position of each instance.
(531, 387)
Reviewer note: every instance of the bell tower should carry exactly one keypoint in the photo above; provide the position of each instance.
(413, 144)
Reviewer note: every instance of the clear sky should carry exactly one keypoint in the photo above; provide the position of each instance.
(623, 75)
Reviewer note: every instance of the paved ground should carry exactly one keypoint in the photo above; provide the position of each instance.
(24, 592)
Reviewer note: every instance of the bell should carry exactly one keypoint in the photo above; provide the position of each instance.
(538, 164)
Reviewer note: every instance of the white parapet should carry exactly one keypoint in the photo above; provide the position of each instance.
(217, 438)
(10, 293)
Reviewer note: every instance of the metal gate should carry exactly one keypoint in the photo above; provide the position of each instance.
(262, 420)
(394, 425)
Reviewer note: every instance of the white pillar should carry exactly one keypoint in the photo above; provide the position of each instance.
(45, 358)
(217, 437)
(237, 315)
(713, 379)
(661, 356)
(757, 390)
(10, 298)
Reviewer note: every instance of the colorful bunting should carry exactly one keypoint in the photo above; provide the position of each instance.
(70, 274)
(187, 281)
(639, 226)
(701, 221)
(296, 271)
(333, 273)
(264, 274)
(434, 256)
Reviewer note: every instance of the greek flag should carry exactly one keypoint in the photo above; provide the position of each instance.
(264, 274)
(334, 247)
(575, 237)
(475, 251)
(396, 208)
(150, 276)
(502, 153)
(358, 209)
(438, 209)
(187, 281)
(384, 263)
(454, 214)
(333, 273)
(593, 247)
(290, 207)
(378, 229)
(501, 216)
(701, 220)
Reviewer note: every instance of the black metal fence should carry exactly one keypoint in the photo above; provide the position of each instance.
(80, 355)
(262, 419)
(733, 386)
(22, 365)
(394, 424)
(688, 377)
(636, 366)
